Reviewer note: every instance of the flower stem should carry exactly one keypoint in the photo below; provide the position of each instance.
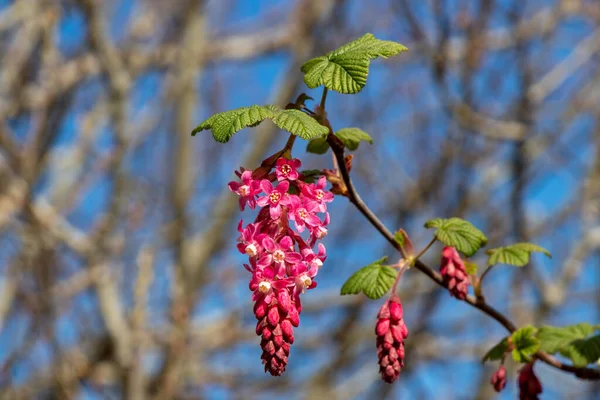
(425, 249)
(488, 269)
(403, 267)
(290, 143)
(356, 200)
(323, 98)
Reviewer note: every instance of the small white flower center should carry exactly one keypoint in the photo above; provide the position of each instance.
(286, 169)
(275, 197)
(264, 287)
(320, 194)
(302, 213)
(306, 281)
(278, 256)
(251, 250)
(321, 232)
(244, 190)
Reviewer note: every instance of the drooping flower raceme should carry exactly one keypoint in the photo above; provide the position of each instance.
(391, 332)
(454, 273)
(280, 245)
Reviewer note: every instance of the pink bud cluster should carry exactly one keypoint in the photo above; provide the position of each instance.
(529, 384)
(282, 262)
(391, 332)
(454, 273)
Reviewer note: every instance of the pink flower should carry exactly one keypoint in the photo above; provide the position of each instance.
(247, 190)
(317, 195)
(287, 169)
(303, 276)
(302, 214)
(499, 379)
(264, 284)
(319, 231)
(250, 239)
(529, 384)
(315, 260)
(454, 273)
(274, 196)
(279, 253)
(391, 332)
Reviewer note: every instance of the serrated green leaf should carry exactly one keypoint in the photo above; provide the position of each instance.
(354, 284)
(458, 233)
(470, 267)
(571, 341)
(525, 344)
(345, 69)
(318, 146)
(298, 123)
(379, 282)
(583, 351)
(516, 254)
(351, 137)
(225, 124)
(554, 338)
(374, 280)
(496, 352)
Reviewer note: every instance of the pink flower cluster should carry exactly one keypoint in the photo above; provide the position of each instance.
(454, 273)
(391, 332)
(282, 262)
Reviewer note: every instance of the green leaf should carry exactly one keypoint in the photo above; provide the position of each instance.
(225, 124)
(403, 240)
(571, 341)
(496, 352)
(583, 351)
(554, 338)
(525, 344)
(470, 267)
(516, 254)
(458, 233)
(374, 280)
(345, 69)
(318, 146)
(351, 137)
(298, 123)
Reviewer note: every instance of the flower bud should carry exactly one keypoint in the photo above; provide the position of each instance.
(454, 273)
(499, 379)
(391, 332)
(529, 384)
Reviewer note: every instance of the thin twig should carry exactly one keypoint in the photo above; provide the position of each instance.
(356, 200)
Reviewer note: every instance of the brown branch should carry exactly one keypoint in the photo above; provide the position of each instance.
(356, 200)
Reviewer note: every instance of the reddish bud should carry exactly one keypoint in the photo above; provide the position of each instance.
(454, 273)
(275, 326)
(499, 379)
